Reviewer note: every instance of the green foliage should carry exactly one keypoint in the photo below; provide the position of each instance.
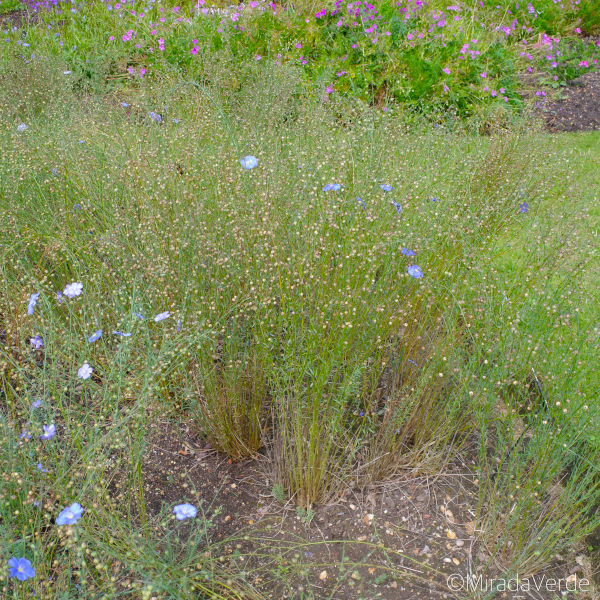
(429, 61)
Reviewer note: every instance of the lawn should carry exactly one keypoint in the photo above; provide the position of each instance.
(257, 342)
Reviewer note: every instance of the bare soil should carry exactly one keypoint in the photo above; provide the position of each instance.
(579, 107)
(399, 541)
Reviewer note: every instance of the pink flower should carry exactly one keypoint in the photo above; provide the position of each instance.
(446, 70)
(298, 45)
(258, 57)
(483, 75)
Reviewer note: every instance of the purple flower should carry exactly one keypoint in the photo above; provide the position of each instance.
(360, 201)
(407, 252)
(139, 316)
(121, 333)
(49, 432)
(332, 187)
(36, 341)
(20, 568)
(73, 290)
(386, 187)
(397, 206)
(95, 336)
(155, 117)
(85, 371)
(21, 128)
(184, 511)
(412, 362)
(162, 316)
(25, 435)
(32, 302)
(70, 515)
(524, 207)
(415, 271)
(36, 404)
(40, 468)
(125, 104)
(59, 296)
(179, 324)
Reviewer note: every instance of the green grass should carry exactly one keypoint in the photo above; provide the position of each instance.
(302, 335)
(9, 5)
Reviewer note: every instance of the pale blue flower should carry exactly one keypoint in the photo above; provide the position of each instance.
(40, 468)
(524, 207)
(125, 104)
(121, 333)
(49, 432)
(32, 302)
(332, 187)
(397, 206)
(386, 187)
(415, 271)
(162, 316)
(21, 128)
(139, 316)
(249, 162)
(70, 515)
(95, 336)
(184, 511)
(412, 362)
(155, 117)
(36, 404)
(73, 290)
(20, 568)
(85, 371)
(407, 252)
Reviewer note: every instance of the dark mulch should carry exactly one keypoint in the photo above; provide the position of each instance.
(14, 18)
(578, 109)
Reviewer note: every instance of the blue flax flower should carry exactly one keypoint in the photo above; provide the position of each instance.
(20, 568)
(184, 511)
(70, 515)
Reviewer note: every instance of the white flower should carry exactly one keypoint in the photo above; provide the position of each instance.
(85, 371)
(73, 289)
